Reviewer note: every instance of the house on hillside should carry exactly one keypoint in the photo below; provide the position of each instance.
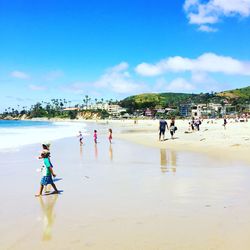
(200, 110)
(185, 110)
(99, 105)
(115, 109)
(149, 112)
(71, 109)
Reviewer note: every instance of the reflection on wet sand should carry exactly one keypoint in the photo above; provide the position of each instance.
(167, 160)
(47, 204)
(81, 151)
(110, 152)
(96, 151)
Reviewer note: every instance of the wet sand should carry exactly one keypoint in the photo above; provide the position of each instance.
(124, 196)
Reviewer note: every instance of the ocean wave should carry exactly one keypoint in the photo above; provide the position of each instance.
(12, 138)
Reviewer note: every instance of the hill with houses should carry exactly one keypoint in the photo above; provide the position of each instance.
(231, 102)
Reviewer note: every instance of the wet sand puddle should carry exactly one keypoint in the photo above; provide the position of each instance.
(124, 196)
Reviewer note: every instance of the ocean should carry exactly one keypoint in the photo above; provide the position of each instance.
(15, 134)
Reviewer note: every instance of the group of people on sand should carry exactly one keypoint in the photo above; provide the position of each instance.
(47, 169)
(162, 128)
(194, 124)
(110, 136)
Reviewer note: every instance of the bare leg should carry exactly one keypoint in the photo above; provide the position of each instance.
(47, 188)
(40, 191)
(54, 186)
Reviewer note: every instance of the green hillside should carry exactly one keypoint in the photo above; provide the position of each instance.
(242, 93)
(143, 101)
(153, 100)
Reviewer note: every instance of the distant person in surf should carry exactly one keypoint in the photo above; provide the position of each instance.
(80, 138)
(110, 136)
(95, 136)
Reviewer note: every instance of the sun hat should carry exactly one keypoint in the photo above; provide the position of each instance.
(46, 144)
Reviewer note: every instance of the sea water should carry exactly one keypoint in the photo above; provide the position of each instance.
(15, 134)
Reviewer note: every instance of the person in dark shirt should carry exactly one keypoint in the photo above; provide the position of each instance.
(162, 128)
(225, 122)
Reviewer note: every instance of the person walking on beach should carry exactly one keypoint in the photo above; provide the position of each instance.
(197, 123)
(47, 175)
(46, 151)
(225, 122)
(172, 128)
(110, 136)
(95, 136)
(80, 138)
(162, 128)
(192, 123)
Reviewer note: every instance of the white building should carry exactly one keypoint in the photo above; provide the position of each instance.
(198, 110)
(115, 109)
(102, 106)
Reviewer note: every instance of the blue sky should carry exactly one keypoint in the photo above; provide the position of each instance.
(113, 49)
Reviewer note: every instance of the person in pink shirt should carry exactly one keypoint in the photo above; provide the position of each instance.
(110, 136)
(95, 136)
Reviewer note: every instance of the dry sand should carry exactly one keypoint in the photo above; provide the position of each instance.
(130, 196)
(232, 143)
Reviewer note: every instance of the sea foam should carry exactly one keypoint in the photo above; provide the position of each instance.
(12, 138)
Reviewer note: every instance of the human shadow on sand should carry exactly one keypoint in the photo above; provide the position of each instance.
(53, 192)
(57, 179)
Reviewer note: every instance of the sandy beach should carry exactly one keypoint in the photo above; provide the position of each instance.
(137, 193)
(232, 143)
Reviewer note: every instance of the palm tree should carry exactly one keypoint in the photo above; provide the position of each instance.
(102, 102)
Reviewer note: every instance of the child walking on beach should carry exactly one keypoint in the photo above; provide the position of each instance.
(80, 138)
(95, 136)
(47, 174)
(110, 135)
(46, 151)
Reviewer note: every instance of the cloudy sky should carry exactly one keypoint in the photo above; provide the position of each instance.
(113, 49)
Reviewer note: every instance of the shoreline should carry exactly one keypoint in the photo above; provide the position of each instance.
(232, 143)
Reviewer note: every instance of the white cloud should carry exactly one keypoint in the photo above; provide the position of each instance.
(180, 84)
(53, 75)
(76, 88)
(176, 85)
(116, 79)
(200, 77)
(19, 74)
(37, 87)
(119, 67)
(211, 11)
(208, 62)
(206, 28)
